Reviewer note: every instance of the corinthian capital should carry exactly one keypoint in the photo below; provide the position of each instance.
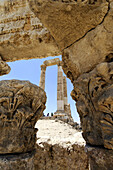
(21, 105)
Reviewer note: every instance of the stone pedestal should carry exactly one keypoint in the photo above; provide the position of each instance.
(99, 158)
(21, 105)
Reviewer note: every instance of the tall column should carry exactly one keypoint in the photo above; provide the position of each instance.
(42, 77)
(65, 90)
(60, 97)
(66, 105)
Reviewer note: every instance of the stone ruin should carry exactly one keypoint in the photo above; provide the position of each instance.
(82, 31)
(63, 111)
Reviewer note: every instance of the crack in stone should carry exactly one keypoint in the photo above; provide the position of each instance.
(92, 28)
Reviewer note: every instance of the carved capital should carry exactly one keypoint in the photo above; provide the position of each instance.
(93, 93)
(21, 105)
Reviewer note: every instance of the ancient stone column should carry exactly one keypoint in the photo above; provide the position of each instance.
(65, 90)
(42, 77)
(67, 108)
(60, 92)
(21, 105)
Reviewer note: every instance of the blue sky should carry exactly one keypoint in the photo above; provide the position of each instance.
(30, 70)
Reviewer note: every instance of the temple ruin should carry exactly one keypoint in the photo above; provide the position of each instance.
(63, 108)
(82, 32)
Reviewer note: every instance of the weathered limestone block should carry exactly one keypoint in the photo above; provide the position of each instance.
(59, 147)
(21, 105)
(69, 21)
(60, 158)
(22, 35)
(93, 93)
(17, 162)
(99, 158)
(95, 47)
(4, 67)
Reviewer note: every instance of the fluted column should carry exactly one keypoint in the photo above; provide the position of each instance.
(60, 97)
(42, 77)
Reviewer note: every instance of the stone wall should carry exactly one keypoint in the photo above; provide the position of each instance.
(55, 157)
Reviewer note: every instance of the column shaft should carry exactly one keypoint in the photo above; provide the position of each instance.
(60, 97)
(65, 90)
(42, 77)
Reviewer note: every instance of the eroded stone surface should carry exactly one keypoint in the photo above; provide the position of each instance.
(68, 21)
(4, 67)
(100, 158)
(17, 162)
(21, 105)
(59, 146)
(94, 48)
(52, 157)
(22, 35)
(93, 93)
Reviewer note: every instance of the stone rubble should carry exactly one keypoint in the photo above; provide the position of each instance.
(60, 146)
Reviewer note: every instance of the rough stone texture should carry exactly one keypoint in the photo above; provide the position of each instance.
(93, 90)
(84, 30)
(92, 49)
(22, 35)
(100, 158)
(4, 67)
(55, 157)
(17, 162)
(21, 105)
(59, 147)
(69, 21)
(93, 93)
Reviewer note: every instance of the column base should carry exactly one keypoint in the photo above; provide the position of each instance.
(99, 158)
(17, 161)
(60, 112)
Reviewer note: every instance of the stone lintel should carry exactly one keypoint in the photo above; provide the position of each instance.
(52, 62)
